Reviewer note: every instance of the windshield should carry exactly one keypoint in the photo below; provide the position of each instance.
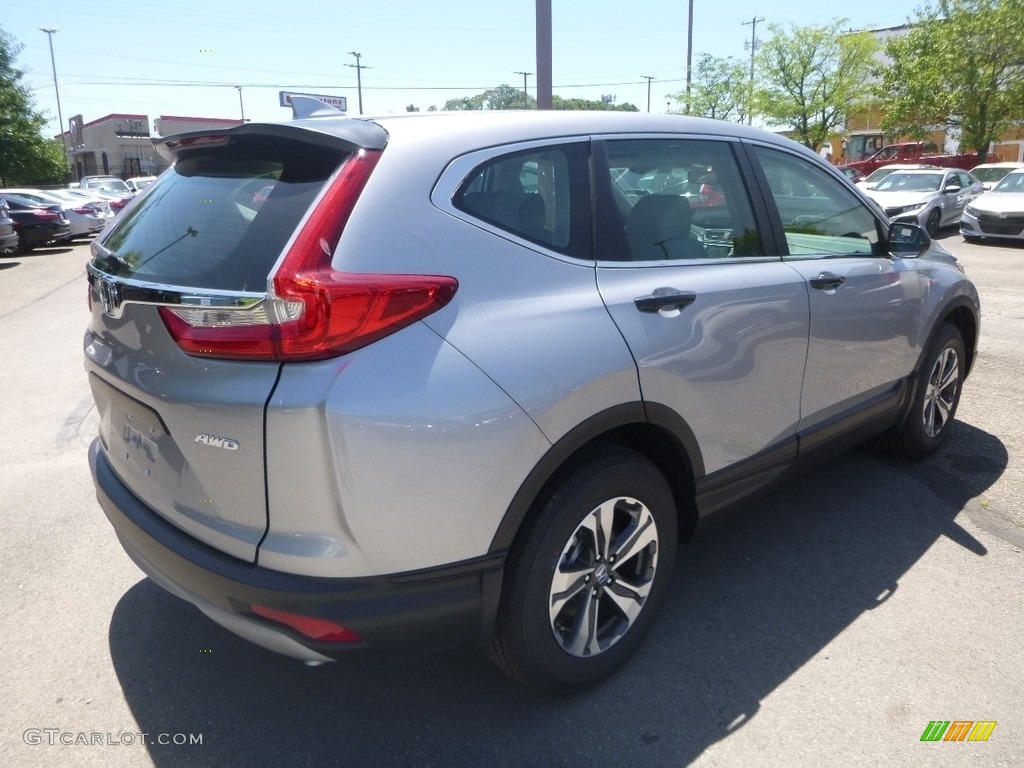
(990, 174)
(910, 182)
(110, 186)
(878, 175)
(1013, 182)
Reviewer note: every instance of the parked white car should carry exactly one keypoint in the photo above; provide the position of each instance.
(999, 213)
(991, 174)
(138, 183)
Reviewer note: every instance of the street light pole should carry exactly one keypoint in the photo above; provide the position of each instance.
(49, 34)
(526, 96)
(241, 106)
(359, 77)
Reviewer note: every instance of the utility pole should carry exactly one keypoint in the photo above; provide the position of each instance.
(689, 54)
(648, 78)
(753, 49)
(359, 77)
(544, 97)
(241, 106)
(526, 96)
(49, 34)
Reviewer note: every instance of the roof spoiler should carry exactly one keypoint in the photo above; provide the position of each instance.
(307, 106)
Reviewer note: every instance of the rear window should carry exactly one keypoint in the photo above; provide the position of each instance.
(219, 220)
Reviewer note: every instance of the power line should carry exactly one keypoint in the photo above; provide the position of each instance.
(135, 81)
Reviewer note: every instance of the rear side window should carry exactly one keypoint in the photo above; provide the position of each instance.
(219, 220)
(679, 199)
(541, 195)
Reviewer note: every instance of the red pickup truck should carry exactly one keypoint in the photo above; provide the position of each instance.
(913, 152)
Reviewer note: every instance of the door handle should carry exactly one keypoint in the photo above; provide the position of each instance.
(664, 298)
(826, 281)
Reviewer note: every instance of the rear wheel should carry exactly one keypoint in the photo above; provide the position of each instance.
(23, 245)
(932, 224)
(587, 573)
(939, 383)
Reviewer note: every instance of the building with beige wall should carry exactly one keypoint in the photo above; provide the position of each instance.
(121, 144)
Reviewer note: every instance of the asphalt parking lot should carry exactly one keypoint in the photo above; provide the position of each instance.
(828, 626)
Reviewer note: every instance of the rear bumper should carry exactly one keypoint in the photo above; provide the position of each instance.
(445, 607)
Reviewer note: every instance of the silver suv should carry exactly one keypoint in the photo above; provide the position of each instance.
(466, 379)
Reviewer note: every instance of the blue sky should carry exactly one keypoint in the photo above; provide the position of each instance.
(186, 57)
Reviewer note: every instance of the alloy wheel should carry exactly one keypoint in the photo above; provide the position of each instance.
(940, 396)
(603, 577)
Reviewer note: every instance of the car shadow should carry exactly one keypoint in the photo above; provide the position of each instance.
(8, 264)
(752, 602)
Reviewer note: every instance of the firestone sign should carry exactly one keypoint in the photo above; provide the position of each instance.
(338, 102)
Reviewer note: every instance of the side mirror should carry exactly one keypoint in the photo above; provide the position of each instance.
(951, 187)
(908, 239)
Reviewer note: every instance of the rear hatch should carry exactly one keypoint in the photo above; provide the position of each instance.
(189, 327)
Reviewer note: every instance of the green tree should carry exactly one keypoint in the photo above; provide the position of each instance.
(605, 104)
(720, 89)
(502, 97)
(811, 78)
(960, 66)
(26, 157)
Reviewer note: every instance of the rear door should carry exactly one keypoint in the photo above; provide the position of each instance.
(184, 432)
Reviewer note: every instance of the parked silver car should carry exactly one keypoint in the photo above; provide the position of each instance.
(438, 380)
(933, 198)
(84, 220)
(999, 213)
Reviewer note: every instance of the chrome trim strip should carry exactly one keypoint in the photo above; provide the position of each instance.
(116, 292)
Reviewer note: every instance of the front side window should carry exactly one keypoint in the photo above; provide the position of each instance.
(530, 194)
(820, 216)
(681, 199)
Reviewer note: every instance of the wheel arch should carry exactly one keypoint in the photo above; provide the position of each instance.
(960, 313)
(966, 321)
(652, 430)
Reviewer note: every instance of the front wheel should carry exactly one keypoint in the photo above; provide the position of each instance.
(932, 224)
(936, 398)
(587, 573)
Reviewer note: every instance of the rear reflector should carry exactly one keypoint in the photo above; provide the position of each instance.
(314, 312)
(316, 629)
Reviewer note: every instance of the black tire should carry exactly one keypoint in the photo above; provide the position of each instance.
(588, 635)
(23, 246)
(936, 396)
(934, 219)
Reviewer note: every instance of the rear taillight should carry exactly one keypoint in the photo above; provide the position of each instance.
(42, 213)
(84, 210)
(317, 629)
(314, 312)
